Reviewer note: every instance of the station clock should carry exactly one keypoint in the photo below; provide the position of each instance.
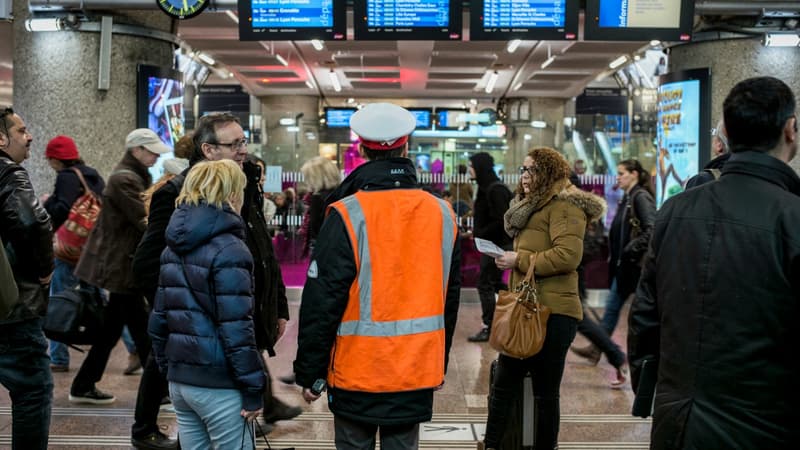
(183, 9)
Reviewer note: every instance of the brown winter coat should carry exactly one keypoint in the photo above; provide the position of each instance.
(108, 254)
(555, 232)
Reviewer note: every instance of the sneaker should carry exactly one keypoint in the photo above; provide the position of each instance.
(480, 336)
(134, 365)
(59, 368)
(92, 397)
(281, 411)
(590, 352)
(155, 440)
(620, 377)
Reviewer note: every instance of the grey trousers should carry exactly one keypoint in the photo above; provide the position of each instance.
(352, 435)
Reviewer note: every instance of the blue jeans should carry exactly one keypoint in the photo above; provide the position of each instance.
(25, 372)
(210, 418)
(63, 279)
(613, 306)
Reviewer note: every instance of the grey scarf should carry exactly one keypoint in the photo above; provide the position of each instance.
(518, 214)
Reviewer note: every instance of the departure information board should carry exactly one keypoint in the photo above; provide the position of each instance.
(639, 20)
(292, 13)
(523, 13)
(524, 19)
(407, 19)
(292, 19)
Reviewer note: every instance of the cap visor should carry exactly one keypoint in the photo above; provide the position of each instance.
(159, 148)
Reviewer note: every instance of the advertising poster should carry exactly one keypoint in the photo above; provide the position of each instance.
(678, 137)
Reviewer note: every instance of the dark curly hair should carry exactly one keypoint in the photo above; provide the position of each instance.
(550, 173)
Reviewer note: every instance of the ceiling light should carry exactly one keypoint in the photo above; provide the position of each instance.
(281, 60)
(310, 86)
(317, 44)
(473, 101)
(286, 121)
(539, 124)
(618, 62)
(513, 45)
(50, 24)
(655, 43)
(550, 58)
(527, 137)
(293, 129)
(351, 100)
(781, 39)
(637, 57)
(517, 86)
(206, 59)
(492, 81)
(232, 16)
(337, 86)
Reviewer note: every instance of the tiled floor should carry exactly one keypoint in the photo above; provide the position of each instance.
(593, 416)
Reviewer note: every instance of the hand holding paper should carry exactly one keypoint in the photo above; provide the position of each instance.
(488, 248)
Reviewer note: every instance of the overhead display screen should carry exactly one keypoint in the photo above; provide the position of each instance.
(668, 20)
(422, 116)
(292, 19)
(407, 19)
(524, 19)
(338, 117)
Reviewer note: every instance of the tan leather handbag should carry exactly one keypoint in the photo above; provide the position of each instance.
(520, 321)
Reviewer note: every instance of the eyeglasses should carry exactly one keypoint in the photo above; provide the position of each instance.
(523, 169)
(242, 143)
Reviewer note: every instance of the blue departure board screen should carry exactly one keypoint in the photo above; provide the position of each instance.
(524, 19)
(408, 19)
(292, 19)
(422, 116)
(338, 117)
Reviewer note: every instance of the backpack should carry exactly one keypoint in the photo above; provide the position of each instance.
(73, 233)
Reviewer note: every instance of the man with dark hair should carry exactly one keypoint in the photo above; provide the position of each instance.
(721, 152)
(715, 311)
(383, 291)
(25, 230)
(491, 203)
(217, 136)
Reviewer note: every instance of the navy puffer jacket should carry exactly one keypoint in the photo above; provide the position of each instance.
(202, 329)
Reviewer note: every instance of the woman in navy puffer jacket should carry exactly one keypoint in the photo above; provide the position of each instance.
(202, 324)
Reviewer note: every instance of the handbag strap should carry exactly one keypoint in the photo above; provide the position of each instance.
(530, 278)
(86, 189)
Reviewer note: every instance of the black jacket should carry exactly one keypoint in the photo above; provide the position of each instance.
(325, 299)
(202, 328)
(627, 252)
(270, 292)
(717, 307)
(25, 230)
(491, 202)
(68, 189)
(705, 175)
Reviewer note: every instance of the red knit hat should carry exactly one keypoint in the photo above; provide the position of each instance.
(62, 148)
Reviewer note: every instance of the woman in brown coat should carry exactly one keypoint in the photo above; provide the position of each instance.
(547, 219)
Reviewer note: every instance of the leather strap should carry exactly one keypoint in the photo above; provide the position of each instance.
(86, 189)
(530, 278)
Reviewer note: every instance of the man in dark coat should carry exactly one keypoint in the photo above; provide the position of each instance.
(715, 311)
(491, 203)
(25, 231)
(721, 151)
(217, 136)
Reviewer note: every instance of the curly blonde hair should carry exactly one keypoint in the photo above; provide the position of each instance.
(550, 173)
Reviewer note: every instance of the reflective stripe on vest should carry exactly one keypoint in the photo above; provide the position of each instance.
(365, 326)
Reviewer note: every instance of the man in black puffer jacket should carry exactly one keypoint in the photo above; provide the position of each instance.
(491, 204)
(26, 232)
(716, 308)
(217, 136)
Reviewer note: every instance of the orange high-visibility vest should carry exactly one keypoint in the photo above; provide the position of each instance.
(391, 338)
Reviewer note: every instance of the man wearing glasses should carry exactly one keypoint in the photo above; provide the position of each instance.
(217, 136)
(721, 153)
(25, 230)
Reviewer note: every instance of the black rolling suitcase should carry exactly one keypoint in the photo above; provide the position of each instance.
(519, 429)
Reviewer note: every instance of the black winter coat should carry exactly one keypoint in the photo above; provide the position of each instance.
(269, 290)
(325, 299)
(491, 203)
(25, 230)
(717, 308)
(705, 176)
(68, 189)
(202, 327)
(626, 252)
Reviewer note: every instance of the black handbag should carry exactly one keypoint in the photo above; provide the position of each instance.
(75, 316)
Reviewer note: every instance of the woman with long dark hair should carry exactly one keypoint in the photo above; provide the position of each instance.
(547, 219)
(628, 239)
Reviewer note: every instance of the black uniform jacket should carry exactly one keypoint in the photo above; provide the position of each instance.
(325, 299)
(717, 308)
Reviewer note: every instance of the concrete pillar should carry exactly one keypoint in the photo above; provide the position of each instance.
(290, 149)
(55, 87)
(734, 60)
